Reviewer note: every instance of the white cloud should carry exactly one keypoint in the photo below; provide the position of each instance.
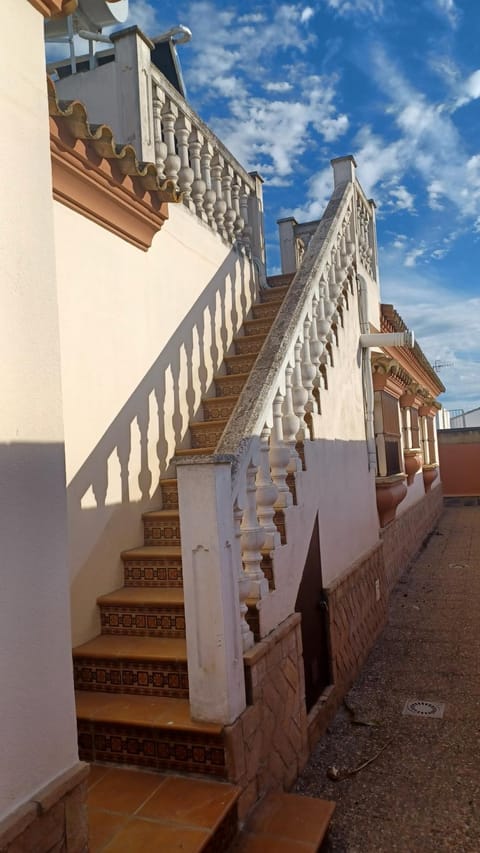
(278, 87)
(144, 15)
(365, 7)
(436, 314)
(306, 14)
(401, 199)
(449, 9)
(412, 255)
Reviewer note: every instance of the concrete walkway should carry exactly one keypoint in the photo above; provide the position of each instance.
(422, 793)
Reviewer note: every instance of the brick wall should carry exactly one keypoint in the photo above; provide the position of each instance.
(54, 820)
(267, 747)
(403, 537)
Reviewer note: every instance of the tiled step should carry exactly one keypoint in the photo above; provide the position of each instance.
(286, 823)
(257, 326)
(153, 666)
(274, 293)
(139, 810)
(161, 527)
(207, 433)
(284, 279)
(143, 612)
(194, 451)
(230, 385)
(263, 310)
(218, 408)
(169, 490)
(240, 363)
(245, 344)
(153, 565)
(148, 731)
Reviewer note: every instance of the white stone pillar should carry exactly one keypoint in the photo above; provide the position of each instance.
(134, 91)
(210, 582)
(286, 235)
(255, 219)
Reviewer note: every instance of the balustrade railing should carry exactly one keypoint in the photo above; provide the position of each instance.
(214, 185)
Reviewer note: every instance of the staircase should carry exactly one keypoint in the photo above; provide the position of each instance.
(132, 680)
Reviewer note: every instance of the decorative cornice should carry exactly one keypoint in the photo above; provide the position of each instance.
(54, 8)
(414, 361)
(102, 180)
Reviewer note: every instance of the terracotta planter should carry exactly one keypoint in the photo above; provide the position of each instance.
(430, 473)
(413, 463)
(390, 492)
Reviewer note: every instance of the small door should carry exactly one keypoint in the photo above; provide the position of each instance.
(312, 604)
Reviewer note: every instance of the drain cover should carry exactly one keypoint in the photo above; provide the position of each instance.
(422, 708)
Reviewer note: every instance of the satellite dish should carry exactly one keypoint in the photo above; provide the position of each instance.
(91, 16)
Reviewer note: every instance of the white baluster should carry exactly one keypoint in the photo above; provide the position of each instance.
(230, 214)
(183, 128)
(252, 538)
(160, 146)
(279, 455)
(244, 582)
(323, 325)
(291, 423)
(220, 205)
(316, 350)
(267, 494)
(299, 392)
(247, 230)
(198, 186)
(308, 369)
(239, 222)
(209, 196)
(172, 160)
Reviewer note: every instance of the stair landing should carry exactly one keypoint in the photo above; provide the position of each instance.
(132, 811)
(286, 823)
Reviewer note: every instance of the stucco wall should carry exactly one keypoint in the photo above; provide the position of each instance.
(36, 707)
(336, 483)
(142, 334)
(459, 454)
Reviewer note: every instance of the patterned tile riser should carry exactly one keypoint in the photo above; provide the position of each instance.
(224, 835)
(214, 411)
(169, 495)
(248, 345)
(228, 386)
(241, 365)
(206, 436)
(158, 533)
(141, 678)
(184, 752)
(140, 622)
(159, 573)
(261, 327)
(264, 310)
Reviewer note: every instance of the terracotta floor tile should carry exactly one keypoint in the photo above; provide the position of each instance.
(97, 772)
(290, 816)
(123, 790)
(103, 826)
(190, 801)
(145, 836)
(271, 844)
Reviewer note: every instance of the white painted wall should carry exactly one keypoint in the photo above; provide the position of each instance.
(36, 705)
(142, 334)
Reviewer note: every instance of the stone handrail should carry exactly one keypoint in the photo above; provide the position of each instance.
(213, 183)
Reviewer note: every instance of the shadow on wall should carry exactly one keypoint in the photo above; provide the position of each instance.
(120, 477)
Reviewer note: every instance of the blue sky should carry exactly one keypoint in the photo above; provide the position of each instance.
(288, 86)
